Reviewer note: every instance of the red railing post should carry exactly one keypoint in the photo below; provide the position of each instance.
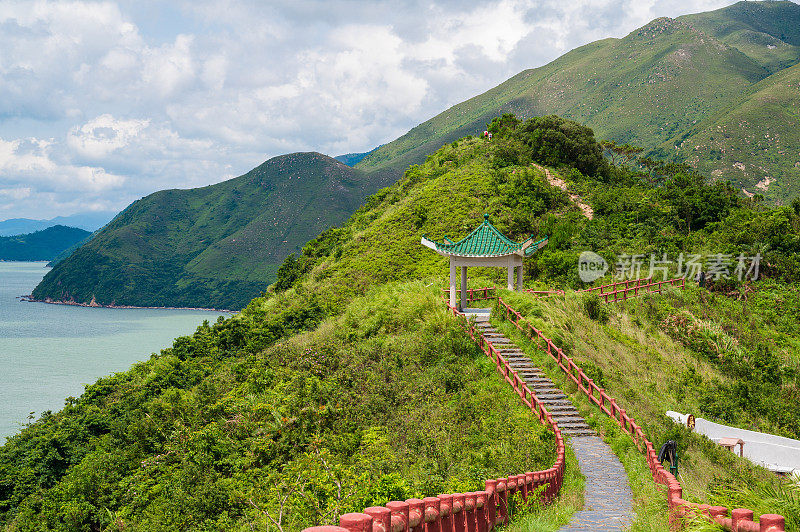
(433, 518)
(446, 512)
(739, 516)
(482, 505)
(502, 501)
(771, 523)
(459, 513)
(416, 515)
(356, 522)
(470, 512)
(381, 518)
(491, 503)
(399, 511)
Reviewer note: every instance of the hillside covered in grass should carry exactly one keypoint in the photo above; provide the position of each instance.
(46, 244)
(388, 401)
(216, 246)
(734, 361)
(717, 90)
(347, 383)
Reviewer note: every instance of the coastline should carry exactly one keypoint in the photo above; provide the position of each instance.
(93, 304)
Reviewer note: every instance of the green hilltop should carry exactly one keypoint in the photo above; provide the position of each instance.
(46, 244)
(216, 246)
(708, 89)
(349, 384)
(716, 90)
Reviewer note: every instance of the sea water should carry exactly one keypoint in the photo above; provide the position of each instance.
(50, 352)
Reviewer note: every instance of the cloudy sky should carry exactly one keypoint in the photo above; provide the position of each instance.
(102, 103)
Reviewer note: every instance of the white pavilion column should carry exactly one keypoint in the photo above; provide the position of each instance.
(452, 283)
(519, 278)
(510, 269)
(463, 288)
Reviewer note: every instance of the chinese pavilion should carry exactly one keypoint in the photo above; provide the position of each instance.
(484, 247)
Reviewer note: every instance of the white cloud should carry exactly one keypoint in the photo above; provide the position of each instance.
(102, 135)
(31, 161)
(127, 97)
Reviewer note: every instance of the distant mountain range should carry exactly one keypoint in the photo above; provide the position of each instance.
(719, 90)
(41, 245)
(216, 246)
(89, 221)
(352, 159)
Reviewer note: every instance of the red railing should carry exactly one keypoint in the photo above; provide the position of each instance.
(544, 293)
(610, 293)
(741, 519)
(475, 294)
(478, 511)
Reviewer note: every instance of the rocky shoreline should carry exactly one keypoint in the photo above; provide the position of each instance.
(94, 304)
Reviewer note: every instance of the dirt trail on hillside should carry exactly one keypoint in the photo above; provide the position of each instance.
(558, 182)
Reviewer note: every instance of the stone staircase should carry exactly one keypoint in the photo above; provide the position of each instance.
(557, 403)
(608, 499)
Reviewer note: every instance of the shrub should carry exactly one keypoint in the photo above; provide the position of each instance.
(594, 308)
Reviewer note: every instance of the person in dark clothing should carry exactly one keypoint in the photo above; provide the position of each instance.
(701, 279)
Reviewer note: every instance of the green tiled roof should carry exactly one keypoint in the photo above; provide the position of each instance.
(485, 241)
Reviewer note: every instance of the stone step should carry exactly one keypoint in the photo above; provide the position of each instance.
(570, 420)
(539, 381)
(551, 395)
(578, 432)
(555, 408)
(545, 392)
(572, 423)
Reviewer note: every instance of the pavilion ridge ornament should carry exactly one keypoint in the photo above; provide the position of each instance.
(484, 247)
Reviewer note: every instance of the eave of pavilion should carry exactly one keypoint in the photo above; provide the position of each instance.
(485, 242)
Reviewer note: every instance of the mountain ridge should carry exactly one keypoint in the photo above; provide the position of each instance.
(651, 88)
(216, 246)
(43, 245)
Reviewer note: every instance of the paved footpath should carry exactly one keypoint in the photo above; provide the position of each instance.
(608, 500)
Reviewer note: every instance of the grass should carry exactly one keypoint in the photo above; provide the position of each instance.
(641, 367)
(554, 516)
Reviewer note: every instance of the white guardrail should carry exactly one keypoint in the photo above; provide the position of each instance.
(776, 453)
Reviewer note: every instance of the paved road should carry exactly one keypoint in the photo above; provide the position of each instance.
(608, 500)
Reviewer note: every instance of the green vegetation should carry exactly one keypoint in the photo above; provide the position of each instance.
(717, 90)
(649, 371)
(388, 401)
(216, 246)
(41, 245)
(347, 383)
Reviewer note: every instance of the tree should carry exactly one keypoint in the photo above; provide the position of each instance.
(626, 151)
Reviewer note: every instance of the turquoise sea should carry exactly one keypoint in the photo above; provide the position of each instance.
(49, 352)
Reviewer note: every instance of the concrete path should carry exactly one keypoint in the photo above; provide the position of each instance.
(608, 500)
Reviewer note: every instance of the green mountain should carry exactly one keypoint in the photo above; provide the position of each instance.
(349, 384)
(717, 90)
(710, 89)
(41, 245)
(216, 246)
